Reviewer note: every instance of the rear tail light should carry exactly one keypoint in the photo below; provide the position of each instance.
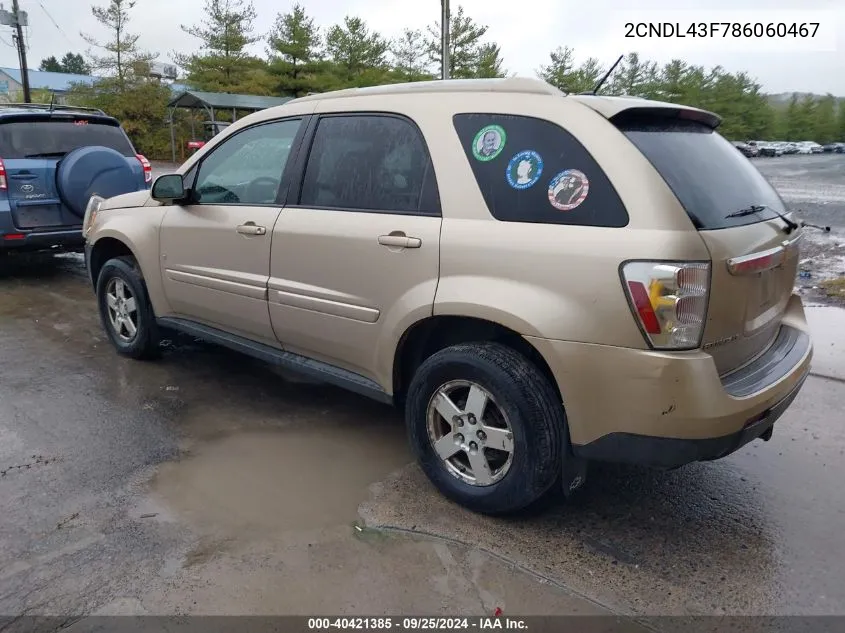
(148, 169)
(4, 186)
(669, 301)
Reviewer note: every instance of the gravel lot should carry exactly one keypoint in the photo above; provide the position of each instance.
(814, 187)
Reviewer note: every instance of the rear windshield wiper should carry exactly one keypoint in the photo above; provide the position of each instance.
(46, 155)
(759, 208)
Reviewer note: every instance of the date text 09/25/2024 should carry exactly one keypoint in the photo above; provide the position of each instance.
(780, 30)
(415, 624)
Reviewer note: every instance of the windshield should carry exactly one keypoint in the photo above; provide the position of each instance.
(706, 173)
(51, 138)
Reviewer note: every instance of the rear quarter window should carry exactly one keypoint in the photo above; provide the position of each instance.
(532, 170)
(56, 137)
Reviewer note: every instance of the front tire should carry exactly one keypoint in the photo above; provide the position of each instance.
(486, 427)
(125, 310)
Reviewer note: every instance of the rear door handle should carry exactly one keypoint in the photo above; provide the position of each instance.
(250, 228)
(400, 241)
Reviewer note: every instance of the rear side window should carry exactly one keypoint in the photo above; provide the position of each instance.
(369, 162)
(54, 138)
(708, 176)
(532, 170)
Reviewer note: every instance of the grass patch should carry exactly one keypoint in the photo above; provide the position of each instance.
(834, 288)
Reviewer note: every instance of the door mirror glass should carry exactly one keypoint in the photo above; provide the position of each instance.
(168, 188)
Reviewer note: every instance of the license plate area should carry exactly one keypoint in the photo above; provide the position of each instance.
(36, 217)
(766, 299)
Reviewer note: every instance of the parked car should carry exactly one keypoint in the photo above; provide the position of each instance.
(830, 148)
(749, 151)
(52, 159)
(840, 148)
(767, 149)
(790, 148)
(411, 242)
(210, 130)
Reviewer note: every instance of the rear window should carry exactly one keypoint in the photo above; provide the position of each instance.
(55, 138)
(532, 170)
(709, 177)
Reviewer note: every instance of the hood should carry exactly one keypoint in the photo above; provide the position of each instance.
(134, 199)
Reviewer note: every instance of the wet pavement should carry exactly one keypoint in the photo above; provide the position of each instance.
(206, 482)
(814, 187)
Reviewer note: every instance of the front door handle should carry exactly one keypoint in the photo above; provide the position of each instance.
(250, 228)
(399, 240)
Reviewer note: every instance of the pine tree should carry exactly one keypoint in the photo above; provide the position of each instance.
(410, 56)
(51, 65)
(560, 72)
(223, 63)
(358, 54)
(294, 49)
(465, 45)
(489, 64)
(122, 58)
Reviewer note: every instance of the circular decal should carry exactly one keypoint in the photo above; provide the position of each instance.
(489, 142)
(524, 169)
(568, 189)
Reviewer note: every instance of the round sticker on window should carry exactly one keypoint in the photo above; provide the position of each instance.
(568, 189)
(489, 142)
(524, 169)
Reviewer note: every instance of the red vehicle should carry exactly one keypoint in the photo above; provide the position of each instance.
(210, 130)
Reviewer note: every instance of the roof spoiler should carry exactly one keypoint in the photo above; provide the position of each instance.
(51, 106)
(637, 113)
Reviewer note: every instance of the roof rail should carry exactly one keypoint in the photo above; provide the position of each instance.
(47, 106)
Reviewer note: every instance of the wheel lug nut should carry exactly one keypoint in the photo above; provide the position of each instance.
(473, 446)
(481, 435)
(459, 439)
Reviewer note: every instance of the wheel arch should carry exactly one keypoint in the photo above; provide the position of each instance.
(432, 334)
(104, 249)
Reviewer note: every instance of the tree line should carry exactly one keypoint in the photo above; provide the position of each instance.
(301, 57)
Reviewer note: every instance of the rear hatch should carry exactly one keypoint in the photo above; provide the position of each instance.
(31, 147)
(754, 250)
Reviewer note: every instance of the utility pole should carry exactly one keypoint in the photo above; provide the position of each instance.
(19, 20)
(444, 44)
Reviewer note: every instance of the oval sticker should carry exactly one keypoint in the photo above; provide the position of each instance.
(568, 189)
(524, 169)
(489, 142)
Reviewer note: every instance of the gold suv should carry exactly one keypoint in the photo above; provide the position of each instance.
(538, 279)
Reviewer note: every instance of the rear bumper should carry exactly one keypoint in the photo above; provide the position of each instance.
(668, 452)
(65, 239)
(668, 409)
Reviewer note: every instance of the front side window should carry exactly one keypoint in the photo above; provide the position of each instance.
(369, 163)
(532, 170)
(247, 168)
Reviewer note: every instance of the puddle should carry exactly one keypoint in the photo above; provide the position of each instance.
(287, 480)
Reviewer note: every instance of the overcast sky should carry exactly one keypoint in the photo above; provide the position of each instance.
(526, 31)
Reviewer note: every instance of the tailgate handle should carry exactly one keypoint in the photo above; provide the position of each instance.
(757, 262)
(24, 175)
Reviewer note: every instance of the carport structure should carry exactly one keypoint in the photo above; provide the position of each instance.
(215, 102)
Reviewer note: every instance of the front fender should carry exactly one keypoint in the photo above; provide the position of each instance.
(141, 236)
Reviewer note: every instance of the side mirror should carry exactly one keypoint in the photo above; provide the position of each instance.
(168, 188)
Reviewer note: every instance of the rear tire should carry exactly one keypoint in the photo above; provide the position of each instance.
(125, 309)
(503, 448)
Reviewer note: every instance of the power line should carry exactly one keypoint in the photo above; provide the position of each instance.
(56, 24)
